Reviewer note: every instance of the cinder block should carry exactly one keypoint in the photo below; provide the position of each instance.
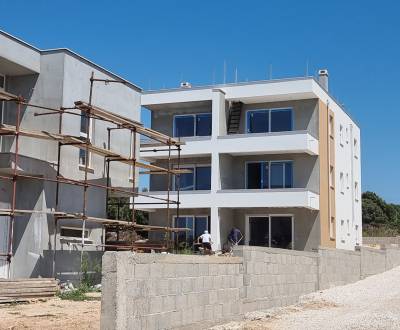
(156, 305)
(181, 301)
(169, 303)
(187, 284)
(169, 270)
(156, 270)
(142, 271)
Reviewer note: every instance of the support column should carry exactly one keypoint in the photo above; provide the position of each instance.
(215, 229)
(218, 113)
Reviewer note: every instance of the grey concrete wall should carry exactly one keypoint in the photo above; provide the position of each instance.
(382, 241)
(154, 291)
(305, 170)
(276, 277)
(373, 261)
(338, 267)
(305, 114)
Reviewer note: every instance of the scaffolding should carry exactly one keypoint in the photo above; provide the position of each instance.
(117, 122)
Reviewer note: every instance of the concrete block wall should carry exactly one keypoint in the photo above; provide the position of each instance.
(156, 291)
(276, 277)
(160, 291)
(373, 261)
(338, 267)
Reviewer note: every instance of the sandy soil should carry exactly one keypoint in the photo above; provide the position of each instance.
(51, 314)
(373, 303)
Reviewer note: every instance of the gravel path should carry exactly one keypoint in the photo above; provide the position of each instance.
(373, 303)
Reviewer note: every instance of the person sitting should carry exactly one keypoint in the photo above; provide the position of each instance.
(206, 241)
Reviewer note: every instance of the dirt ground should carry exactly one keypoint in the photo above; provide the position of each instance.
(51, 314)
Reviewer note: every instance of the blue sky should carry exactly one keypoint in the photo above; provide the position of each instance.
(156, 44)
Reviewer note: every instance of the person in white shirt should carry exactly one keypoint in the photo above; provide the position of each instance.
(206, 240)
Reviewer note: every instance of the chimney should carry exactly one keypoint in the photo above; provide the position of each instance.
(323, 78)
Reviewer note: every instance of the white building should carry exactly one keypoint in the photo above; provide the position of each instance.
(278, 159)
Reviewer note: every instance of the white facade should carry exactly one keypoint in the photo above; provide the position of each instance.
(230, 204)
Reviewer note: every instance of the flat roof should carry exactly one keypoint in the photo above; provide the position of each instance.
(73, 54)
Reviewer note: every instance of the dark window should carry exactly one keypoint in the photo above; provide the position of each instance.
(71, 232)
(203, 124)
(84, 122)
(265, 175)
(82, 157)
(254, 175)
(197, 226)
(258, 121)
(288, 175)
(184, 126)
(259, 231)
(201, 224)
(203, 178)
(2, 82)
(281, 120)
(281, 232)
(185, 180)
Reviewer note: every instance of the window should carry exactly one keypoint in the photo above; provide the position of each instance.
(196, 224)
(198, 179)
(356, 192)
(332, 228)
(357, 238)
(273, 120)
(203, 178)
(347, 135)
(355, 148)
(192, 125)
(348, 227)
(347, 181)
(2, 82)
(70, 232)
(270, 230)
(342, 182)
(281, 120)
(331, 126)
(332, 176)
(85, 134)
(2, 88)
(269, 175)
(341, 138)
(342, 236)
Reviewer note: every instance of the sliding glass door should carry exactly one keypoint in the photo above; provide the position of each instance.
(270, 231)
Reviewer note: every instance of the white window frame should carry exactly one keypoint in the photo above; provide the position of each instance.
(269, 118)
(269, 172)
(79, 238)
(2, 108)
(342, 236)
(332, 227)
(269, 216)
(85, 135)
(191, 166)
(194, 123)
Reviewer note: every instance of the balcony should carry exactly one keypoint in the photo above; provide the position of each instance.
(238, 198)
(288, 197)
(268, 143)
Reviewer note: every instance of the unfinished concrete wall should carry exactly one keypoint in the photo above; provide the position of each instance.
(373, 261)
(155, 291)
(276, 277)
(160, 291)
(338, 267)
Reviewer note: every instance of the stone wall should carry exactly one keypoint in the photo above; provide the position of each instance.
(382, 241)
(160, 291)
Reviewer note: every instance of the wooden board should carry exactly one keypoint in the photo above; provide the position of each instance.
(25, 289)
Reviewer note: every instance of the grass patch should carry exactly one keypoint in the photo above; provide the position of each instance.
(75, 295)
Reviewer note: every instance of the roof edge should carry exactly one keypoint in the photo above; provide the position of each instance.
(74, 54)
